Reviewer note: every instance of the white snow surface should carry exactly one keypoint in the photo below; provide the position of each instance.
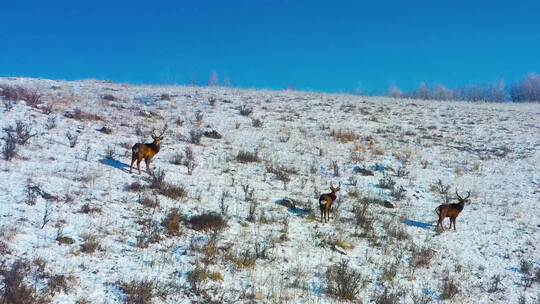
(489, 149)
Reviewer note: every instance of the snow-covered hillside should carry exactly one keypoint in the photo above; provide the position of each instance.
(236, 217)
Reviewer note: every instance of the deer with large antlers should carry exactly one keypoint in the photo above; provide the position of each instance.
(146, 151)
(326, 200)
(451, 210)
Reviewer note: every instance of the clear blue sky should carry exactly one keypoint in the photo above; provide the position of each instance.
(312, 45)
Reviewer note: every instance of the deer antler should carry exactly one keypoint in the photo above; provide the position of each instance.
(459, 197)
(468, 194)
(165, 127)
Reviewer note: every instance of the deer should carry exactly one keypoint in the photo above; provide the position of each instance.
(451, 210)
(326, 200)
(146, 151)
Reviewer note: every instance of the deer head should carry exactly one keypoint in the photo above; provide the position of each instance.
(157, 138)
(334, 190)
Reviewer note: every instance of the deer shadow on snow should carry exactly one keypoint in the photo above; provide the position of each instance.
(418, 224)
(115, 164)
(291, 208)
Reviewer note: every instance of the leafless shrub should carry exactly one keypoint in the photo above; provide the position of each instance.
(344, 136)
(256, 122)
(22, 131)
(402, 172)
(78, 114)
(8, 104)
(247, 157)
(140, 292)
(212, 100)
(46, 215)
(280, 171)
(51, 123)
(172, 222)
(335, 168)
(245, 110)
(9, 149)
(525, 266)
(195, 136)
(72, 138)
(17, 93)
(57, 283)
(90, 243)
(222, 206)
(207, 221)
(441, 189)
(134, 186)
(387, 182)
(252, 208)
(110, 153)
(343, 282)
(176, 159)
(157, 179)
(199, 116)
(15, 287)
(389, 297)
(449, 288)
(398, 193)
(495, 283)
(173, 191)
(212, 134)
(148, 201)
(421, 257)
(151, 232)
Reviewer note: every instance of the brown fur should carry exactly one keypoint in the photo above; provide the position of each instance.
(451, 211)
(146, 151)
(325, 202)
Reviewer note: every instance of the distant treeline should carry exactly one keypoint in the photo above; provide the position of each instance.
(525, 90)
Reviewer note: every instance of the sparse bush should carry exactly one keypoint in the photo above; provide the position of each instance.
(51, 123)
(398, 193)
(110, 152)
(157, 179)
(441, 189)
(57, 283)
(343, 282)
(18, 93)
(335, 168)
(172, 222)
(208, 221)
(525, 266)
(147, 201)
(195, 136)
(9, 149)
(421, 257)
(199, 116)
(495, 283)
(257, 122)
(389, 297)
(139, 292)
(247, 157)
(177, 159)
(15, 288)
(245, 110)
(23, 132)
(387, 182)
(212, 100)
(90, 243)
(449, 288)
(173, 191)
(134, 186)
(344, 136)
(72, 138)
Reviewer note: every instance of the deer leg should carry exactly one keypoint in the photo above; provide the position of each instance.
(139, 165)
(131, 166)
(147, 161)
(322, 212)
(454, 221)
